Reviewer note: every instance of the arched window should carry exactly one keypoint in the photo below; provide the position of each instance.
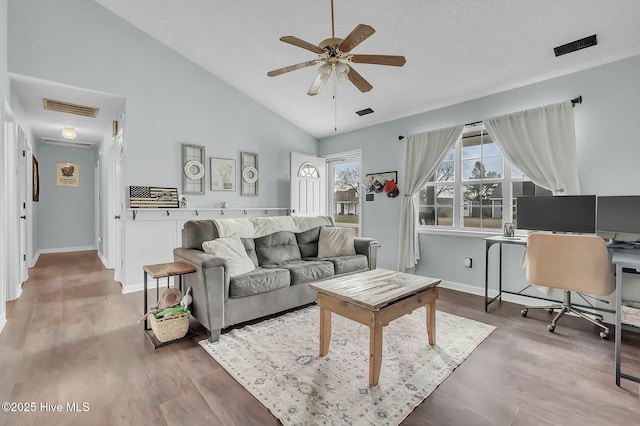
(308, 170)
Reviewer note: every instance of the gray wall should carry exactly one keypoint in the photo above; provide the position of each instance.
(607, 150)
(169, 99)
(66, 214)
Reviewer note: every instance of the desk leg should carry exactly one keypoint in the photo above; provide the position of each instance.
(618, 320)
(486, 276)
(146, 307)
(500, 273)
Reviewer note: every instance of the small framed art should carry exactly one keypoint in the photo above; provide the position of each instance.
(223, 174)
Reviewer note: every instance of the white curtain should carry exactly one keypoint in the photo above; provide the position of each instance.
(542, 143)
(424, 153)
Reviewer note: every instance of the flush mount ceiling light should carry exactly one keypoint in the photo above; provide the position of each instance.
(69, 133)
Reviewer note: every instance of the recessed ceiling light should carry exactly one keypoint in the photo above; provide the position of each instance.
(69, 133)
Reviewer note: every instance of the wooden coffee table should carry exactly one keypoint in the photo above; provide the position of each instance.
(375, 298)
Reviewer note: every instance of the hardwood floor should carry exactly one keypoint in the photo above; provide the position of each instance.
(73, 337)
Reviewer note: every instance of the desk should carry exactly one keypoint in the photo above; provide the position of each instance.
(500, 240)
(521, 241)
(629, 258)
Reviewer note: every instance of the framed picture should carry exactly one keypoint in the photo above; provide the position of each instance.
(35, 179)
(374, 182)
(68, 174)
(223, 174)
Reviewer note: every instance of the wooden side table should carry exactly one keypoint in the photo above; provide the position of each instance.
(158, 271)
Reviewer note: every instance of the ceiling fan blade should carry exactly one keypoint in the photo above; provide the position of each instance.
(396, 61)
(292, 68)
(357, 36)
(359, 81)
(301, 43)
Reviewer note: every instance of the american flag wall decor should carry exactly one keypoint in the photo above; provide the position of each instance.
(142, 197)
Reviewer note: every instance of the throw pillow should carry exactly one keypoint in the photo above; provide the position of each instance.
(335, 241)
(233, 252)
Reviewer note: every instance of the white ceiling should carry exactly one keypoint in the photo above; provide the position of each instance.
(49, 124)
(455, 50)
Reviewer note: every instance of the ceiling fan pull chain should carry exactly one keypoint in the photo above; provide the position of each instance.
(335, 101)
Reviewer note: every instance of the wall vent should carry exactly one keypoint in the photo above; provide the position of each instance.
(576, 45)
(69, 108)
(364, 111)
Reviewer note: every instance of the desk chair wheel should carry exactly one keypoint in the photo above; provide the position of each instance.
(551, 328)
(524, 312)
(550, 310)
(604, 335)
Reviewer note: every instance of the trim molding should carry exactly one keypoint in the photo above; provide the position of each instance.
(479, 291)
(66, 249)
(3, 320)
(132, 288)
(103, 260)
(35, 260)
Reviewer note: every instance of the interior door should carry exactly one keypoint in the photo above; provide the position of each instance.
(24, 153)
(308, 185)
(118, 217)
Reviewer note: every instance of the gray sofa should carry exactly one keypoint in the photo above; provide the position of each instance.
(286, 263)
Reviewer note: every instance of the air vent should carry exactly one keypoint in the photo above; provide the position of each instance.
(576, 45)
(69, 108)
(364, 111)
(63, 142)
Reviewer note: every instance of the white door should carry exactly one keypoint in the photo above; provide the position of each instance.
(308, 185)
(24, 153)
(119, 211)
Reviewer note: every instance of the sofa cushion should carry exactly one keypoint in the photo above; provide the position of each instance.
(305, 271)
(258, 281)
(233, 252)
(347, 264)
(335, 241)
(196, 232)
(277, 248)
(250, 246)
(308, 242)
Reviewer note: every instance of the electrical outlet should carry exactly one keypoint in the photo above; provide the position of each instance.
(467, 262)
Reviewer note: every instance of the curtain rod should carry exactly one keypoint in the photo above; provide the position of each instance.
(574, 101)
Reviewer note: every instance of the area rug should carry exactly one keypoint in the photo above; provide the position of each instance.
(277, 361)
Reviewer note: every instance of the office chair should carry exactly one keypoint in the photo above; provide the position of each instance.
(573, 263)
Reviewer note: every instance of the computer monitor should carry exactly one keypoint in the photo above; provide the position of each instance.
(568, 213)
(619, 214)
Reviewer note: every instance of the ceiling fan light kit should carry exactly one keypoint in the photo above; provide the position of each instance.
(336, 58)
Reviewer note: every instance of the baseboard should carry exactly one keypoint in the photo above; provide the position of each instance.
(479, 291)
(35, 259)
(103, 260)
(151, 284)
(67, 249)
(3, 321)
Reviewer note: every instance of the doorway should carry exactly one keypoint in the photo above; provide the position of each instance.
(344, 189)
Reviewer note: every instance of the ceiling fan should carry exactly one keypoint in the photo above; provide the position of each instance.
(336, 58)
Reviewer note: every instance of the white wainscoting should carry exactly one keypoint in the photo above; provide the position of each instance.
(151, 237)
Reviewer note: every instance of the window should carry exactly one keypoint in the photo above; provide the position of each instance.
(345, 189)
(475, 187)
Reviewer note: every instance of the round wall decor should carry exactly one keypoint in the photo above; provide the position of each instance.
(194, 170)
(250, 174)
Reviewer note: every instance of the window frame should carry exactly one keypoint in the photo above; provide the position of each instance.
(507, 181)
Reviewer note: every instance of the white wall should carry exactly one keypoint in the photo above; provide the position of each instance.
(169, 99)
(66, 214)
(4, 94)
(607, 148)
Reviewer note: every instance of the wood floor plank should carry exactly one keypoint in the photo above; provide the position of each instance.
(73, 336)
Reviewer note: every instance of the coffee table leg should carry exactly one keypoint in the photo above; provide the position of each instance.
(325, 331)
(375, 354)
(431, 323)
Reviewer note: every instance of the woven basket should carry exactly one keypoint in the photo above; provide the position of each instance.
(167, 329)
(631, 313)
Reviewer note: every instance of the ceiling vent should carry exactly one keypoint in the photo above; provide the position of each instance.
(364, 111)
(69, 108)
(63, 142)
(576, 45)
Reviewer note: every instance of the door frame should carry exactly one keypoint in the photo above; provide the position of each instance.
(331, 161)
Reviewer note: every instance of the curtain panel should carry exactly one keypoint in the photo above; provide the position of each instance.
(542, 143)
(423, 154)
